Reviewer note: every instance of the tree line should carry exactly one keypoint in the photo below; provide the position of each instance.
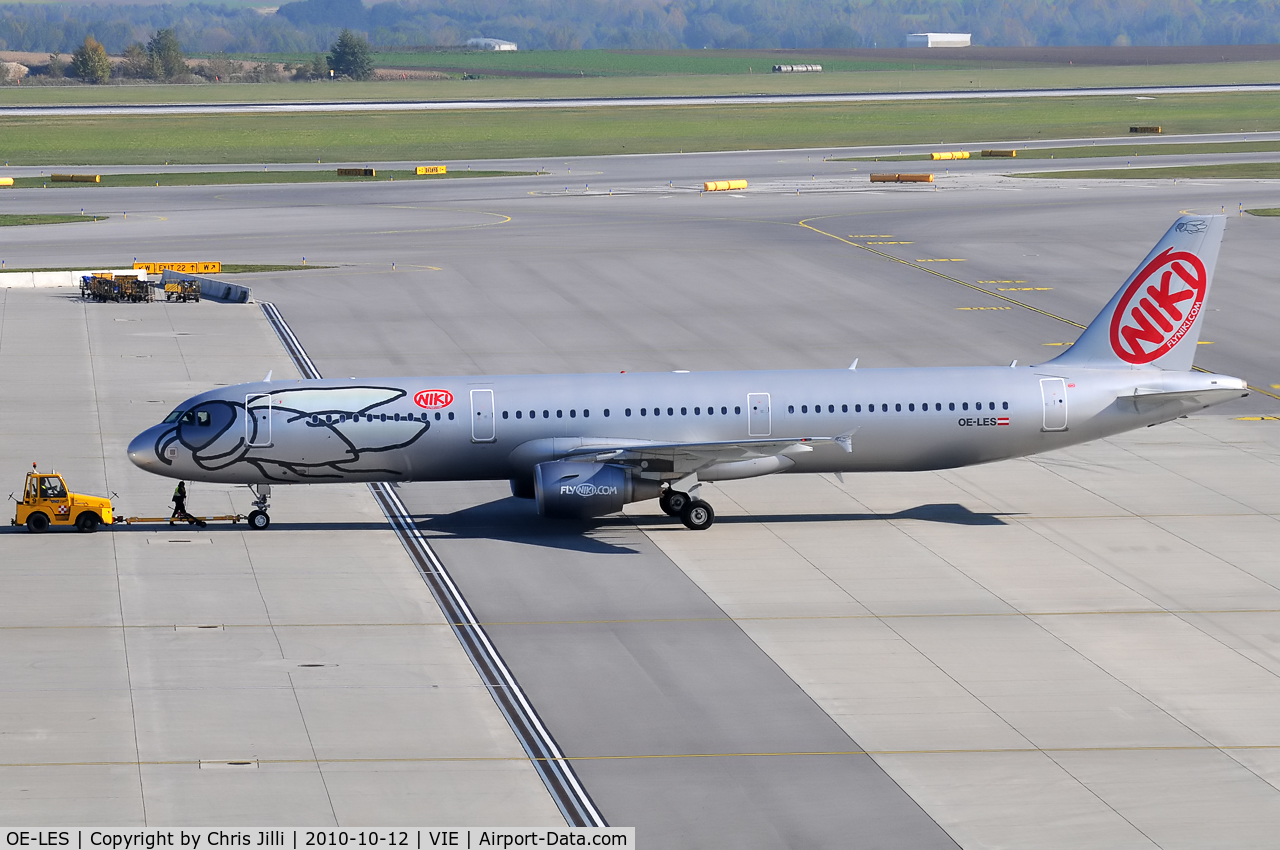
(162, 59)
(313, 25)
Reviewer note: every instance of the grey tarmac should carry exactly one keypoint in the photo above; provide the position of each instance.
(1066, 651)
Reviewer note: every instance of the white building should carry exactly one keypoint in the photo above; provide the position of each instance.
(490, 44)
(938, 39)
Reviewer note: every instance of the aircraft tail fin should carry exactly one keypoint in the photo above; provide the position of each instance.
(1155, 318)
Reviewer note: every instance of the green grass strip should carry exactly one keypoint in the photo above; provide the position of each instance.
(1109, 150)
(1267, 211)
(227, 268)
(489, 134)
(217, 178)
(1234, 171)
(21, 219)
(252, 268)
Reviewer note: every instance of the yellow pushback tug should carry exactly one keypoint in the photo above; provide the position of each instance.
(46, 503)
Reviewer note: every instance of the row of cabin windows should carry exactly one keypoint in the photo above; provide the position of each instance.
(644, 411)
(884, 408)
(334, 419)
(331, 419)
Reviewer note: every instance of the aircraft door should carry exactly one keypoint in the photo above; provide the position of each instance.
(257, 419)
(1054, 393)
(759, 423)
(482, 426)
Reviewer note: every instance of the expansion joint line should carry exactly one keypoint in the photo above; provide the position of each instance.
(544, 753)
(1024, 305)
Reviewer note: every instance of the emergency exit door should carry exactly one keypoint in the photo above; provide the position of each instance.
(482, 428)
(1054, 393)
(759, 423)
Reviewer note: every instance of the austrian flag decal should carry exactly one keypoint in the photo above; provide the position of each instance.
(1156, 310)
(1003, 420)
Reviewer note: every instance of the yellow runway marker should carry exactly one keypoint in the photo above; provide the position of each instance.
(1001, 281)
(940, 261)
(1204, 342)
(891, 243)
(871, 236)
(1024, 288)
(1057, 343)
(984, 308)
(807, 226)
(1256, 418)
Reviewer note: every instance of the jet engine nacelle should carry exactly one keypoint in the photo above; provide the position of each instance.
(567, 488)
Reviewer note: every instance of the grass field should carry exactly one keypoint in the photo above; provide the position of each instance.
(1102, 150)
(227, 268)
(1269, 211)
(484, 134)
(19, 220)
(882, 79)
(1234, 171)
(214, 178)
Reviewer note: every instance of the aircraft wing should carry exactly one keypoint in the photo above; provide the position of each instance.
(698, 455)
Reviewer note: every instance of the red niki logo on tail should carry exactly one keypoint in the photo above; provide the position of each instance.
(1147, 324)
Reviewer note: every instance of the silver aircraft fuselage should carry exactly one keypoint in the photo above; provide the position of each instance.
(500, 427)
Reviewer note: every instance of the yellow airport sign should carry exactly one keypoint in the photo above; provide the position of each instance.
(182, 268)
(431, 169)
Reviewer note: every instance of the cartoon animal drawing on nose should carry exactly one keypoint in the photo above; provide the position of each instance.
(346, 429)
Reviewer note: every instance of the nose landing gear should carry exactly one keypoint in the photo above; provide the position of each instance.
(258, 518)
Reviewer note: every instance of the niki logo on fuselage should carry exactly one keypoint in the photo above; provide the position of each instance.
(433, 399)
(1160, 315)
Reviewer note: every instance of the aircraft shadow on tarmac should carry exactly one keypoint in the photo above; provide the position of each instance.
(517, 521)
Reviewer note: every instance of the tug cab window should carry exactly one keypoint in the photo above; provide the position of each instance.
(51, 487)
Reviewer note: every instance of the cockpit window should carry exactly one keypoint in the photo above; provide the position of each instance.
(202, 418)
(173, 417)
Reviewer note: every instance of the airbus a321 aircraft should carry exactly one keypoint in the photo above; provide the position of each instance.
(585, 445)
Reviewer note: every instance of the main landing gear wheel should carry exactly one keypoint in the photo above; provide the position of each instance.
(697, 515)
(673, 502)
(259, 520)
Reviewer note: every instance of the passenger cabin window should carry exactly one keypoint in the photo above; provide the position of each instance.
(964, 406)
(606, 413)
(1005, 405)
(504, 414)
(737, 410)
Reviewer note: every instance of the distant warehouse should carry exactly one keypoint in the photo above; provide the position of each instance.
(938, 39)
(490, 44)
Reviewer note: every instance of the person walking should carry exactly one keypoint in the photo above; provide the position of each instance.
(180, 503)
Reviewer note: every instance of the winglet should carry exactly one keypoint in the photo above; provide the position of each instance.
(268, 378)
(1155, 318)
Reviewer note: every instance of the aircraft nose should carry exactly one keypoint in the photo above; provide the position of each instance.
(142, 451)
